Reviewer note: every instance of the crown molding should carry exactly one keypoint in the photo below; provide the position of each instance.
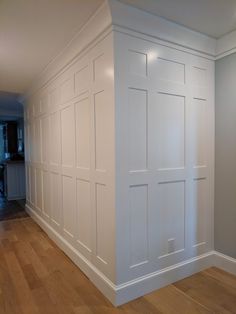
(114, 15)
(226, 45)
(97, 26)
(145, 23)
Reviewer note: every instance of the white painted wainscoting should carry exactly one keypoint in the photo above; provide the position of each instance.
(164, 156)
(70, 160)
(120, 153)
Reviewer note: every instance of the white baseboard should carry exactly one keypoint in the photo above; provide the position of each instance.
(225, 262)
(120, 294)
(150, 282)
(98, 278)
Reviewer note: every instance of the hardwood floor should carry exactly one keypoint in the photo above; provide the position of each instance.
(37, 277)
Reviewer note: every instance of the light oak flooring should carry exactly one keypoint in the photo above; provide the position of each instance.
(37, 277)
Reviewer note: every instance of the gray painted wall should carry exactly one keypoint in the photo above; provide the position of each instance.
(225, 156)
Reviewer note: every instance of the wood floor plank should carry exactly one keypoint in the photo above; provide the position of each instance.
(36, 277)
(222, 276)
(17, 276)
(209, 292)
(10, 302)
(169, 299)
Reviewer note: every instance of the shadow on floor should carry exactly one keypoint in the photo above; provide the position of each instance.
(12, 209)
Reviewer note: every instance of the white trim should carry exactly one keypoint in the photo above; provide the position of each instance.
(226, 45)
(225, 262)
(114, 15)
(98, 24)
(119, 294)
(163, 42)
(150, 282)
(146, 23)
(118, 16)
(226, 53)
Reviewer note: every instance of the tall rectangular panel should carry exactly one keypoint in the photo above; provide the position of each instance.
(68, 136)
(200, 211)
(171, 224)
(200, 134)
(39, 192)
(102, 131)
(67, 90)
(138, 225)
(137, 63)
(38, 140)
(82, 80)
(27, 176)
(170, 131)
(137, 129)
(32, 186)
(84, 214)
(102, 223)
(99, 68)
(68, 205)
(55, 152)
(56, 196)
(199, 77)
(83, 133)
(44, 103)
(45, 126)
(46, 193)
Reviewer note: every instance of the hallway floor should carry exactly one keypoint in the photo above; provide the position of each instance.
(37, 277)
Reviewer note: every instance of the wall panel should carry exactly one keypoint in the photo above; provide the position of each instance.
(164, 138)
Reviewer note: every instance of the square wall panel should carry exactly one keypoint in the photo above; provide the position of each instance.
(199, 77)
(170, 70)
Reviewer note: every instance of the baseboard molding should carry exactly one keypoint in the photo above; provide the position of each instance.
(120, 294)
(98, 278)
(225, 262)
(143, 285)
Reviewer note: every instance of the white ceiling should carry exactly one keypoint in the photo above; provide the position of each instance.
(33, 32)
(211, 17)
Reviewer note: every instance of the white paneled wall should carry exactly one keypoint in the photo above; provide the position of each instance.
(70, 155)
(120, 153)
(164, 161)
